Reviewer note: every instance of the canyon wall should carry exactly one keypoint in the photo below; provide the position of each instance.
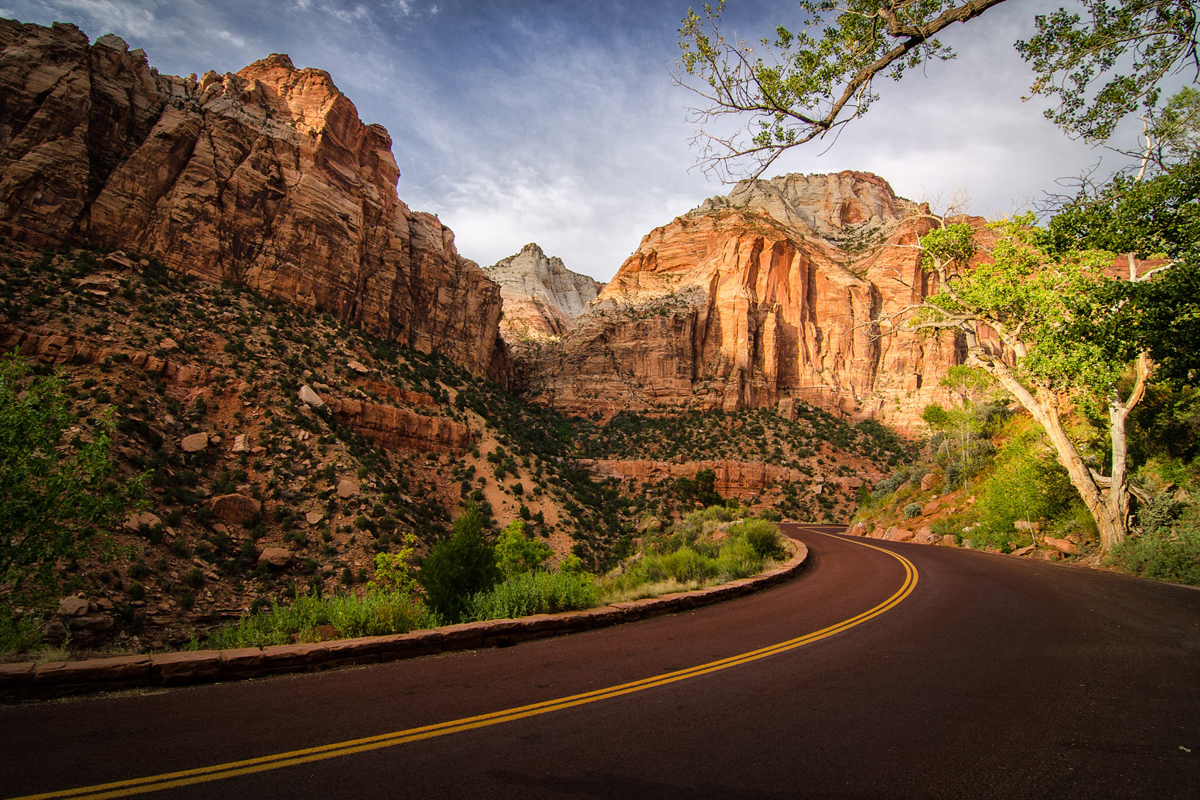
(266, 178)
(767, 296)
(541, 296)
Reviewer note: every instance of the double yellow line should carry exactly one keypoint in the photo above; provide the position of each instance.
(216, 772)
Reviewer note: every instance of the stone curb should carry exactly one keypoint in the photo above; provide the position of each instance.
(30, 680)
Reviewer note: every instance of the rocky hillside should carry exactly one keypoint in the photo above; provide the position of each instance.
(284, 449)
(759, 299)
(266, 178)
(541, 296)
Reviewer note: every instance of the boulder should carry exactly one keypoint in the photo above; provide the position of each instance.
(309, 396)
(134, 522)
(73, 606)
(347, 488)
(897, 534)
(1061, 545)
(857, 529)
(236, 509)
(314, 517)
(194, 443)
(91, 622)
(277, 557)
(925, 535)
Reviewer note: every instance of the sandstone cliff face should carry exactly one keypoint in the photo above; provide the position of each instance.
(266, 178)
(741, 479)
(541, 296)
(760, 298)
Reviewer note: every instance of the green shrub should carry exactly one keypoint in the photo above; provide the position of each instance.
(194, 577)
(763, 536)
(19, 635)
(912, 510)
(460, 567)
(684, 565)
(738, 559)
(1027, 483)
(376, 614)
(54, 504)
(393, 571)
(516, 552)
(539, 592)
(1163, 554)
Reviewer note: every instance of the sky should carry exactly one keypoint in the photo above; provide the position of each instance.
(557, 121)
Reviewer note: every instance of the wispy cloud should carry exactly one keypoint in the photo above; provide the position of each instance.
(115, 16)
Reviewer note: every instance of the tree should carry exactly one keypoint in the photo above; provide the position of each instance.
(394, 571)
(809, 85)
(1133, 44)
(516, 552)
(1057, 333)
(457, 568)
(56, 498)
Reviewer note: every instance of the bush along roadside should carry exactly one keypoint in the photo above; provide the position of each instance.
(44, 680)
(1014, 497)
(467, 578)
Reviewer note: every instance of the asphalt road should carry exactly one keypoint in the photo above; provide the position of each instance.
(956, 675)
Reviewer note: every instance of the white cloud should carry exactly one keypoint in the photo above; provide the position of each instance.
(354, 14)
(124, 18)
(409, 8)
(232, 38)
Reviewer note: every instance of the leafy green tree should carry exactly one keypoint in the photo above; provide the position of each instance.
(516, 552)
(812, 79)
(394, 572)
(57, 498)
(964, 424)
(701, 490)
(1045, 326)
(1129, 46)
(459, 567)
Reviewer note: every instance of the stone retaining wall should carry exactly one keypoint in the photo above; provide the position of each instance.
(32, 680)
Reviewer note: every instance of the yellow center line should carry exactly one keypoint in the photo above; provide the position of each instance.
(172, 780)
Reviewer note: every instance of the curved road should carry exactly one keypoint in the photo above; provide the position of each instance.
(988, 677)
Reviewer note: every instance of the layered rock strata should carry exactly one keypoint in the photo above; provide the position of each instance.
(541, 296)
(266, 178)
(766, 297)
(393, 427)
(741, 479)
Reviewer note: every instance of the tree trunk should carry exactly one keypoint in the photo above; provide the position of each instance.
(1109, 505)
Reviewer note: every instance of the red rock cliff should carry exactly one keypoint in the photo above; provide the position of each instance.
(760, 298)
(267, 177)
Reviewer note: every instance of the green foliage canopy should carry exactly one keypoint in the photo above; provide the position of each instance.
(517, 553)
(56, 498)
(817, 75)
(459, 567)
(1128, 45)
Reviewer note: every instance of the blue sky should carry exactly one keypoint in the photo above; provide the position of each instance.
(556, 121)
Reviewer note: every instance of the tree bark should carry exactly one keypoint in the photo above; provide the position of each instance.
(1108, 505)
